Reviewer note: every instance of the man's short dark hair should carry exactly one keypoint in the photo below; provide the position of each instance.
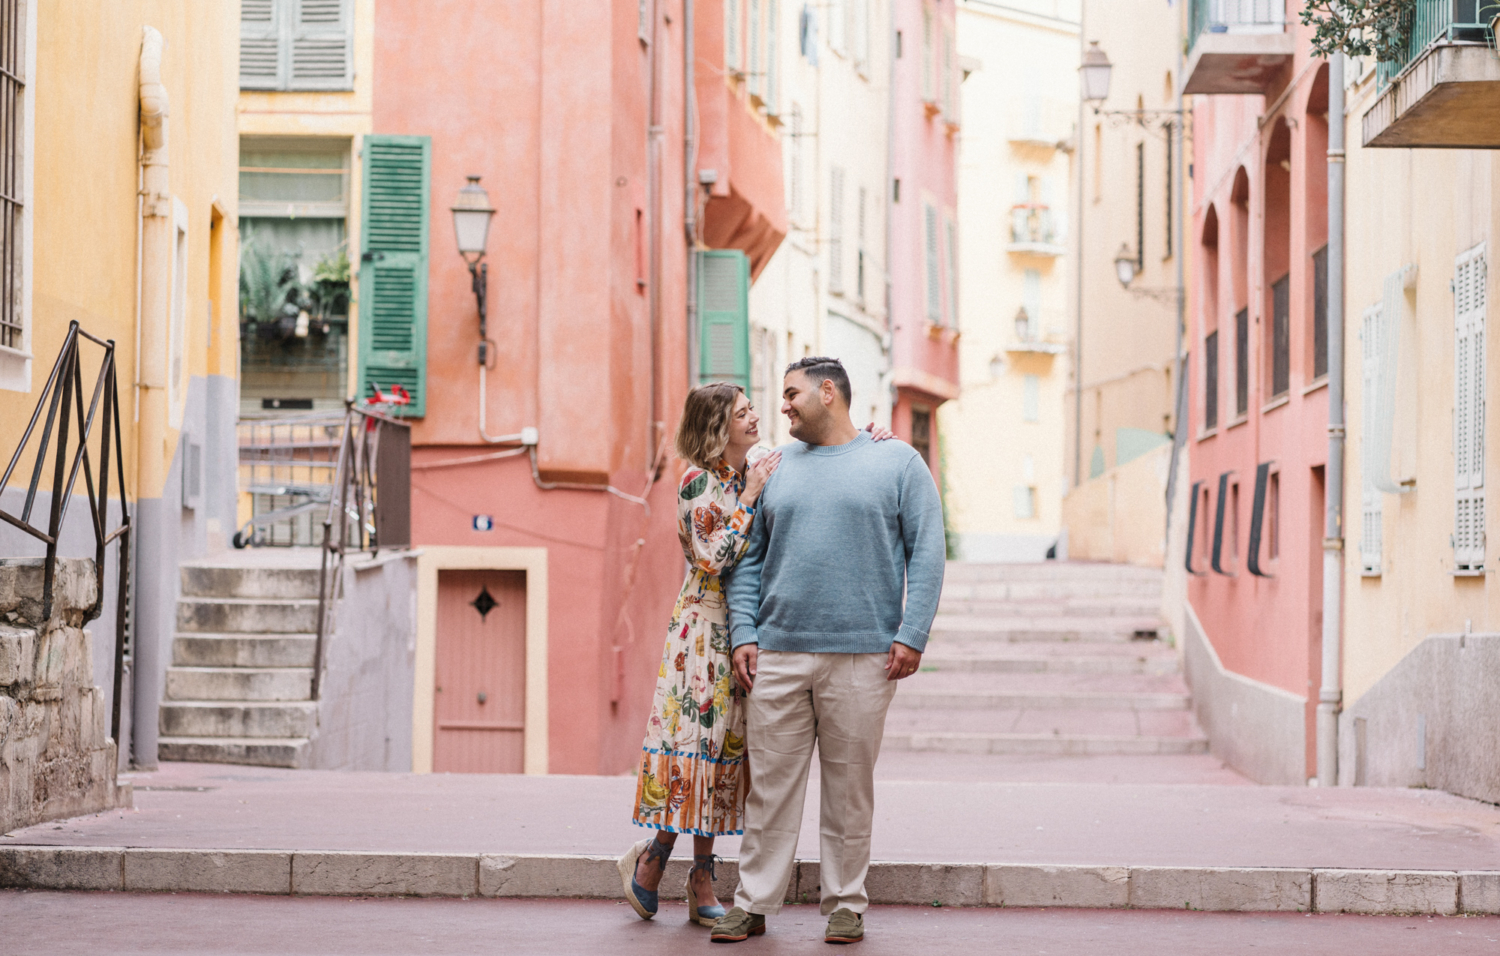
(820, 367)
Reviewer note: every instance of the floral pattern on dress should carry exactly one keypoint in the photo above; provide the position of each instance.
(692, 776)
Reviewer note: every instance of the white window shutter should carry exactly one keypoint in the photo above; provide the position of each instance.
(757, 68)
(934, 275)
(1468, 409)
(322, 45)
(1380, 426)
(773, 51)
(261, 60)
(732, 19)
(1371, 340)
(836, 230)
(951, 264)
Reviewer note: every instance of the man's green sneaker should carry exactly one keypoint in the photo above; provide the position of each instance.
(737, 925)
(844, 926)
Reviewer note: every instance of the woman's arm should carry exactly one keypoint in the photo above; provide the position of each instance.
(714, 522)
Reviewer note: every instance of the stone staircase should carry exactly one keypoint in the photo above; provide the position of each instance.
(1056, 658)
(239, 688)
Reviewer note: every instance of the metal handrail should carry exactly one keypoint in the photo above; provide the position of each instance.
(352, 521)
(1437, 21)
(63, 397)
(1235, 16)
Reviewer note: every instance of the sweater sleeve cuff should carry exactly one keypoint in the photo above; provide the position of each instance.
(912, 638)
(743, 634)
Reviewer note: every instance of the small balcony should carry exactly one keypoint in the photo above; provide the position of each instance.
(1034, 231)
(1238, 46)
(1444, 89)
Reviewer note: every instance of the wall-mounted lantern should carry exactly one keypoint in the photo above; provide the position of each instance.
(471, 228)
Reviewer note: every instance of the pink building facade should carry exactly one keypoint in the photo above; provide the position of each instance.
(1258, 410)
(547, 477)
(925, 115)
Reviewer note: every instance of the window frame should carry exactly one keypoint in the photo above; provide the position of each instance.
(16, 356)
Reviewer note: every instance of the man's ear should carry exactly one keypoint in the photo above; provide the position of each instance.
(826, 391)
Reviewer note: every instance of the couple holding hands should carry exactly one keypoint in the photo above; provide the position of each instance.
(790, 630)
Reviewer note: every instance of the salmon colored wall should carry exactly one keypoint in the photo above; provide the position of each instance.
(564, 152)
(924, 360)
(1268, 628)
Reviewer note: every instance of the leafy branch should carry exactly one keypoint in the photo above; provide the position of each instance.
(1376, 28)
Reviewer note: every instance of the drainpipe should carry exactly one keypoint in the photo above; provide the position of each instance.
(1331, 694)
(690, 187)
(1078, 267)
(151, 355)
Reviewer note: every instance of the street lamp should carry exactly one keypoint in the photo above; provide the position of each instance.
(1095, 73)
(1125, 265)
(471, 228)
(1023, 325)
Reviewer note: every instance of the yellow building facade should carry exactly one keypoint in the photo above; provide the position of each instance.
(1003, 438)
(127, 225)
(1421, 659)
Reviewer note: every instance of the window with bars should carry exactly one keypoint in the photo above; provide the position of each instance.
(296, 44)
(1468, 410)
(1211, 380)
(1320, 313)
(12, 168)
(1241, 362)
(1281, 336)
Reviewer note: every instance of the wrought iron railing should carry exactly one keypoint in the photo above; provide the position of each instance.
(368, 509)
(1235, 16)
(1440, 21)
(1033, 224)
(63, 399)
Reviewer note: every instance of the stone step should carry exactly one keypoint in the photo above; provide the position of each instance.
(1048, 744)
(1050, 657)
(239, 683)
(960, 627)
(292, 752)
(966, 571)
(1051, 590)
(1052, 721)
(215, 719)
(1105, 607)
(246, 616)
(274, 583)
(1042, 691)
(243, 650)
(1021, 700)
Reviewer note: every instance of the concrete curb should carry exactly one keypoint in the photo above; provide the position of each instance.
(354, 873)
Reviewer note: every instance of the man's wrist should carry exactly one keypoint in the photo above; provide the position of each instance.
(912, 638)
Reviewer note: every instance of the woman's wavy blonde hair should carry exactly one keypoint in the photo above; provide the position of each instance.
(703, 433)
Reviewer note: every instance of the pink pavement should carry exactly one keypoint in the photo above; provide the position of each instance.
(64, 924)
(956, 820)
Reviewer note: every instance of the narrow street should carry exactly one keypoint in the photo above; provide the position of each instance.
(64, 924)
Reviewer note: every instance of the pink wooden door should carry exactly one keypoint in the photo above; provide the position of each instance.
(481, 672)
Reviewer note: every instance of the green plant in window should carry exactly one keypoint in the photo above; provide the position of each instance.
(1377, 28)
(329, 291)
(268, 280)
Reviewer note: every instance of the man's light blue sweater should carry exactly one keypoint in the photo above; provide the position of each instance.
(839, 529)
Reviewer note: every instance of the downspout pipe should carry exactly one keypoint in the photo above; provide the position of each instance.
(151, 456)
(690, 187)
(1330, 695)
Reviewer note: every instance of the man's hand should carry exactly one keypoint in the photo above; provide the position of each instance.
(745, 658)
(902, 661)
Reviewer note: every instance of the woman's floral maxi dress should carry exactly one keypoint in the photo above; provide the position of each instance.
(692, 775)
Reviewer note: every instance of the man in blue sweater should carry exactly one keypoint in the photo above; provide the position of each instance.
(844, 527)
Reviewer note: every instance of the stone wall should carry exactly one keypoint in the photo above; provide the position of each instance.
(56, 756)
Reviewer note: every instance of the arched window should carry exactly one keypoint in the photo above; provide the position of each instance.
(1239, 279)
(1277, 258)
(1314, 354)
(1208, 315)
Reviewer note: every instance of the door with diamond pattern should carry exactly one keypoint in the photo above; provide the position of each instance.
(480, 698)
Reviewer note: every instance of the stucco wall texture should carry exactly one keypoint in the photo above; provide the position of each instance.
(1259, 212)
(565, 154)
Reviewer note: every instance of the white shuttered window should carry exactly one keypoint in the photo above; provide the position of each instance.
(1372, 342)
(934, 269)
(296, 44)
(1468, 410)
(836, 230)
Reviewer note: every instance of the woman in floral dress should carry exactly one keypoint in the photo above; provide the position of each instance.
(692, 777)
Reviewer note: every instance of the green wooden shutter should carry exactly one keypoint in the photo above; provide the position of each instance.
(724, 316)
(393, 267)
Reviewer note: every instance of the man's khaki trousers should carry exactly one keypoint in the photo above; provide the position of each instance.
(838, 701)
